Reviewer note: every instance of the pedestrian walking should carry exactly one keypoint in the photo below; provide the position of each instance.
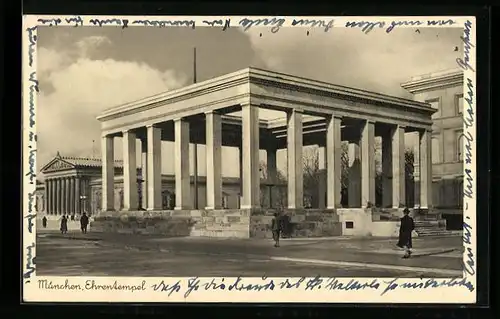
(44, 222)
(276, 228)
(405, 230)
(84, 221)
(64, 225)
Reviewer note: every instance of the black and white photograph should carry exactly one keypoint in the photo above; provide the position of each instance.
(248, 148)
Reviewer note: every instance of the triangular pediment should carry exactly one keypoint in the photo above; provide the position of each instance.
(57, 164)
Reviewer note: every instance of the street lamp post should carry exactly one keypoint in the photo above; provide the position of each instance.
(83, 199)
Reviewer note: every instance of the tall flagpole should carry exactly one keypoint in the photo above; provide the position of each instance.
(195, 149)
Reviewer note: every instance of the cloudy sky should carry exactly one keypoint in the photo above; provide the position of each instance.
(84, 70)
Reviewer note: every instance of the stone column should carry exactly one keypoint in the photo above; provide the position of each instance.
(77, 195)
(130, 195)
(108, 173)
(250, 153)
(66, 196)
(398, 167)
(182, 176)
(53, 196)
(59, 196)
(387, 170)
(333, 162)
(240, 163)
(86, 192)
(144, 174)
(368, 164)
(354, 186)
(322, 183)
(47, 196)
(214, 160)
(295, 160)
(425, 169)
(72, 195)
(154, 200)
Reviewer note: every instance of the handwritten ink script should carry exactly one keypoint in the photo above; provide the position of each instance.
(428, 283)
(239, 284)
(226, 24)
(33, 90)
(313, 23)
(247, 23)
(30, 263)
(465, 62)
(116, 22)
(274, 23)
(32, 38)
(368, 26)
(30, 216)
(166, 23)
(469, 264)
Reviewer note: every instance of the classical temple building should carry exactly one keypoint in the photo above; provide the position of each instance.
(132, 195)
(73, 185)
(444, 92)
(317, 113)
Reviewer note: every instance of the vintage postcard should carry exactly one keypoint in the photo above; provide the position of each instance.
(249, 159)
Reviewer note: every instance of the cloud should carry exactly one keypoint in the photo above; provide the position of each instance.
(82, 88)
(86, 45)
(376, 61)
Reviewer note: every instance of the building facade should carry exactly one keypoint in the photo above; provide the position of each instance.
(72, 186)
(444, 92)
(317, 113)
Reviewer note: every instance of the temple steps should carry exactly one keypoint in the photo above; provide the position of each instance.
(433, 227)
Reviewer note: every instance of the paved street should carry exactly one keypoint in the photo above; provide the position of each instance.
(127, 255)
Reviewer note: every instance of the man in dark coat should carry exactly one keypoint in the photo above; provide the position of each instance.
(84, 221)
(44, 222)
(64, 225)
(276, 228)
(405, 230)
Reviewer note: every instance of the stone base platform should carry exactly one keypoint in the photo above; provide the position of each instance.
(239, 223)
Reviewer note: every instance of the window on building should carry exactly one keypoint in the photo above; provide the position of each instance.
(460, 192)
(459, 103)
(98, 201)
(121, 199)
(225, 201)
(435, 104)
(349, 225)
(436, 192)
(435, 150)
(460, 146)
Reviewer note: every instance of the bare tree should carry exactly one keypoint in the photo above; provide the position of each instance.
(410, 177)
(311, 177)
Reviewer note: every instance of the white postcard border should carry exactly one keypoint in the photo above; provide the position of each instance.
(139, 289)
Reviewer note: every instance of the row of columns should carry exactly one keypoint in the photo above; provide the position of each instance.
(249, 157)
(361, 184)
(151, 166)
(62, 195)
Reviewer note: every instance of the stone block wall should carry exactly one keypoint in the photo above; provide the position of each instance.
(219, 223)
(172, 223)
(167, 223)
(356, 221)
(298, 224)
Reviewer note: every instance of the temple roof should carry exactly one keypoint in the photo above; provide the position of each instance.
(60, 163)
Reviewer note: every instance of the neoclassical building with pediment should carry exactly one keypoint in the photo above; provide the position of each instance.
(73, 185)
(122, 198)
